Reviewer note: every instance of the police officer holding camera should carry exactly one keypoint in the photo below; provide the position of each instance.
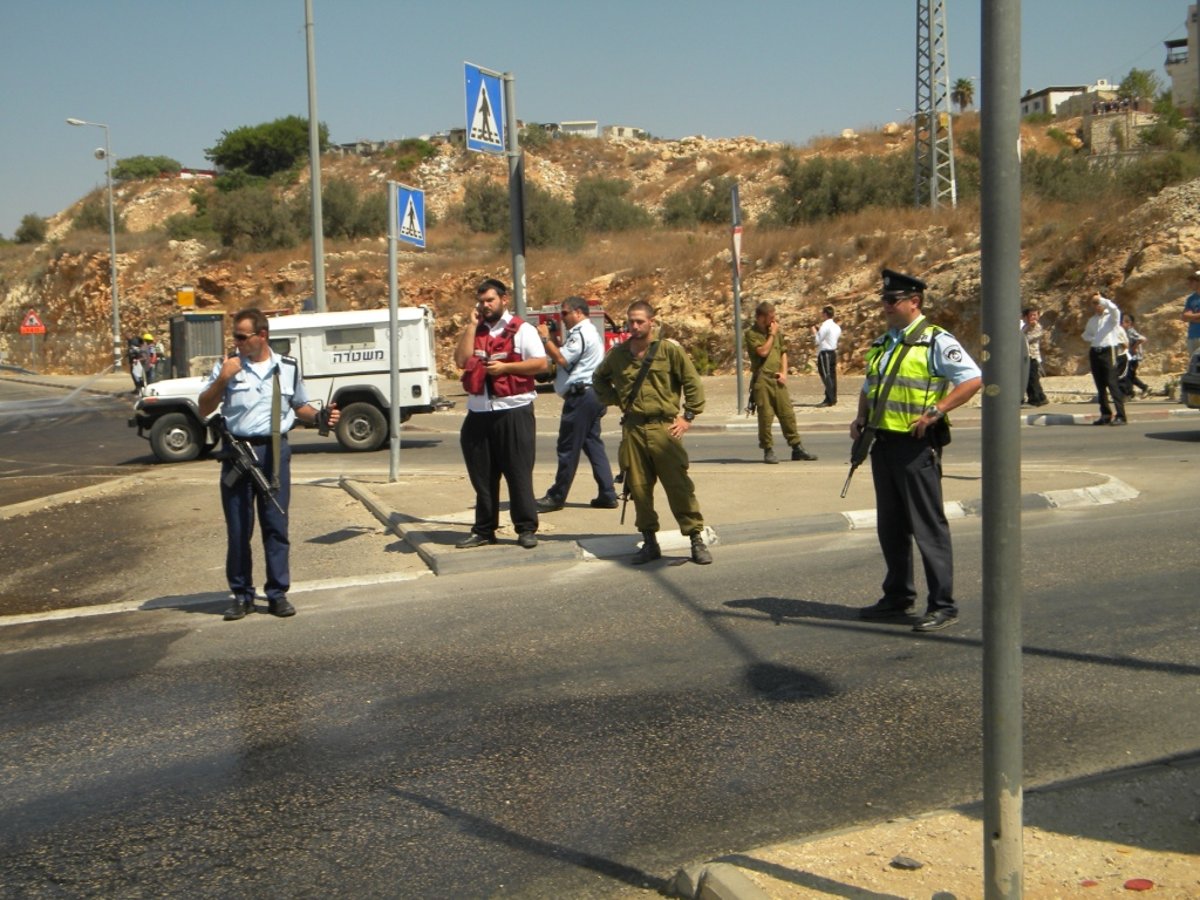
(575, 360)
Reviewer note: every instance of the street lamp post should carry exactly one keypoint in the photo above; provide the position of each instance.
(112, 243)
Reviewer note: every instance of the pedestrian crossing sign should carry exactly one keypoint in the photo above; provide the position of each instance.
(485, 110)
(410, 215)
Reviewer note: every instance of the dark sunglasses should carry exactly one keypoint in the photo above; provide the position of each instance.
(238, 336)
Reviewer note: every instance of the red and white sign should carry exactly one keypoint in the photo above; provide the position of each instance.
(32, 323)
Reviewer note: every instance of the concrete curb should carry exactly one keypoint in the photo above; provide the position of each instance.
(444, 559)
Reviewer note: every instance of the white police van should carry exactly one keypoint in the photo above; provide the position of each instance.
(344, 358)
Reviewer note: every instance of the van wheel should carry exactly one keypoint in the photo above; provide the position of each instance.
(361, 427)
(174, 438)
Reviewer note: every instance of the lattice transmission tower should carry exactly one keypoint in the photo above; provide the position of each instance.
(932, 123)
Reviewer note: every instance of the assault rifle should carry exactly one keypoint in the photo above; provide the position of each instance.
(751, 406)
(858, 452)
(243, 462)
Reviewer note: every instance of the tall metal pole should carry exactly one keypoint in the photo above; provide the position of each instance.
(393, 193)
(736, 251)
(112, 243)
(516, 192)
(1002, 596)
(314, 159)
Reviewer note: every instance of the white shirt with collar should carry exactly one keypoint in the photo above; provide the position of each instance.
(583, 350)
(828, 333)
(1102, 329)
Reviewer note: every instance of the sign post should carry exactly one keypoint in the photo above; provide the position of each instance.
(406, 222)
(736, 250)
(32, 325)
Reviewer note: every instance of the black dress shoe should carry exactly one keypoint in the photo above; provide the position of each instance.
(475, 540)
(885, 609)
(548, 504)
(1103, 420)
(602, 503)
(238, 609)
(936, 621)
(527, 539)
(281, 607)
(1118, 421)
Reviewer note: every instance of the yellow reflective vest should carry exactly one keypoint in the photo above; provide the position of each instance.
(916, 386)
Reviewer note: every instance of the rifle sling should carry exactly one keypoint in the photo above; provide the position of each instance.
(641, 378)
(276, 439)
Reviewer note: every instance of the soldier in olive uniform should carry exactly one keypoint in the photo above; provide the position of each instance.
(768, 366)
(653, 427)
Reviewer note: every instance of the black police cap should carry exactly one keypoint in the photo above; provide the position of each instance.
(897, 284)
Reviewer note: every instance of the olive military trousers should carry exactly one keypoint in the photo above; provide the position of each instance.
(771, 399)
(648, 455)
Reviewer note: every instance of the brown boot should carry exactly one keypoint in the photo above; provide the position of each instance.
(700, 554)
(649, 551)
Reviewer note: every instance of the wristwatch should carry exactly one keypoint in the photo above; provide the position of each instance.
(688, 415)
(934, 413)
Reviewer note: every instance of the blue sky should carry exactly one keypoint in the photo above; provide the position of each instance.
(168, 76)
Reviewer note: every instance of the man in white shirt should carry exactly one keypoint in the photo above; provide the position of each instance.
(499, 354)
(827, 335)
(1103, 334)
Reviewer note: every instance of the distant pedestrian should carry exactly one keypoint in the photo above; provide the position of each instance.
(1136, 353)
(767, 347)
(1191, 315)
(1031, 327)
(579, 426)
(1103, 334)
(827, 335)
(644, 377)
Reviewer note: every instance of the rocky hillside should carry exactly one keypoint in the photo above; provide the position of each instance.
(1143, 258)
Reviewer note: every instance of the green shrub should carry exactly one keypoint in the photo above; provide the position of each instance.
(707, 203)
(534, 136)
(135, 167)
(253, 219)
(549, 221)
(267, 148)
(1041, 118)
(1059, 136)
(93, 216)
(1149, 175)
(1161, 134)
(227, 182)
(484, 207)
(185, 227)
(32, 229)
(406, 155)
(600, 205)
(820, 188)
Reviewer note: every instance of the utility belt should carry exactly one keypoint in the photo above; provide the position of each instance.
(896, 437)
(578, 389)
(635, 419)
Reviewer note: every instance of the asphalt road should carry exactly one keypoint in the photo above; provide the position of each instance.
(577, 730)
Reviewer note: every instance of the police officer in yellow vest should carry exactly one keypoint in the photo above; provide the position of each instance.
(652, 427)
(935, 375)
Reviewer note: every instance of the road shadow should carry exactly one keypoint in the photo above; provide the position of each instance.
(212, 603)
(809, 880)
(486, 829)
(781, 608)
(313, 449)
(1183, 437)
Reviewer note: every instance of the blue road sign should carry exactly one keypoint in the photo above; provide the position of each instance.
(485, 110)
(410, 215)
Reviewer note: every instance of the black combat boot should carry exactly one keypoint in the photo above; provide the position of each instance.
(238, 609)
(700, 554)
(650, 549)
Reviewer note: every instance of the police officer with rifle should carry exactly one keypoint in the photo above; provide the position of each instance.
(261, 395)
(916, 373)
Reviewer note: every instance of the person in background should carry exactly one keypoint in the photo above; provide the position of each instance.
(767, 348)
(1191, 315)
(1136, 353)
(827, 335)
(1104, 336)
(1031, 327)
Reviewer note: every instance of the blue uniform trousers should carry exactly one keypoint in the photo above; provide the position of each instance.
(579, 432)
(239, 503)
(908, 507)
